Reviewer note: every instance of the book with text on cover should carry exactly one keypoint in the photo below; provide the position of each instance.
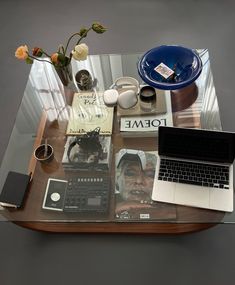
(147, 124)
(134, 178)
(89, 112)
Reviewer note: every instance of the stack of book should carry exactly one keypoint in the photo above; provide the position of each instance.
(88, 112)
(135, 122)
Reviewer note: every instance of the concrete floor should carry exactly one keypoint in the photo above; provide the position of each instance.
(29, 257)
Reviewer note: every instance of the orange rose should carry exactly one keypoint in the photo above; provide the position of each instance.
(54, 58)
(22, 52)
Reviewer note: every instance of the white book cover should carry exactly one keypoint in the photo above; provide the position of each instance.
(89, 112)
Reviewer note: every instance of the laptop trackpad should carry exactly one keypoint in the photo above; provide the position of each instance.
(191, 195)
(163, 191)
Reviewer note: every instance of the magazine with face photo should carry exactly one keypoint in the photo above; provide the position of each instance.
(134, 177)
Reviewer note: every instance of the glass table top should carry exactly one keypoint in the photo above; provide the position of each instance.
(44, 114)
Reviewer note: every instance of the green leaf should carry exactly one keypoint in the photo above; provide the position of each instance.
(29, 60)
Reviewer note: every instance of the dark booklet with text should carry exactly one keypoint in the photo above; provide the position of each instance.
(14, 190)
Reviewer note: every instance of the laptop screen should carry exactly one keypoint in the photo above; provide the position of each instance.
(215, 146)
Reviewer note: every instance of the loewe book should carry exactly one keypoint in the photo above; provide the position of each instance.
(194, 168)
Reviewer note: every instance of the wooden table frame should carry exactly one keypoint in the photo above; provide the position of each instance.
(45, 221)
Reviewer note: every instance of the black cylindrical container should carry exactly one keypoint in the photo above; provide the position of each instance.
(148, 98)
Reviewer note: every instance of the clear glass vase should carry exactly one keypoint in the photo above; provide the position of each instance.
(67, 79)
(65, 74)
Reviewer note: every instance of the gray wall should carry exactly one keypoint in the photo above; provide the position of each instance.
(28, 257)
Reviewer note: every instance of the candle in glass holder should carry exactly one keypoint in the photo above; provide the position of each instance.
(148, 98)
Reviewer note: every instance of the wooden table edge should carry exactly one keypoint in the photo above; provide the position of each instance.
(115, 228)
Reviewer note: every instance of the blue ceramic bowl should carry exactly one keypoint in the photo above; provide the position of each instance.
(186, 64)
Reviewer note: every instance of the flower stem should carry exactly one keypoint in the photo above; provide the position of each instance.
(69, 42)
(33, 57)
(79, 40)
(61, 49)
(83, 36)
(46, 53)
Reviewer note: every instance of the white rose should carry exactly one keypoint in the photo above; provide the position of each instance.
(80, 52)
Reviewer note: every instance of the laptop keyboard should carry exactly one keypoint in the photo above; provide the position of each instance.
(194, 173)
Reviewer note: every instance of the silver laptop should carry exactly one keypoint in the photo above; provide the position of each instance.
(194, 168)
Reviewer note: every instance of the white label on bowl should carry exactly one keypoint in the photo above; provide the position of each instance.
(164, 70)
